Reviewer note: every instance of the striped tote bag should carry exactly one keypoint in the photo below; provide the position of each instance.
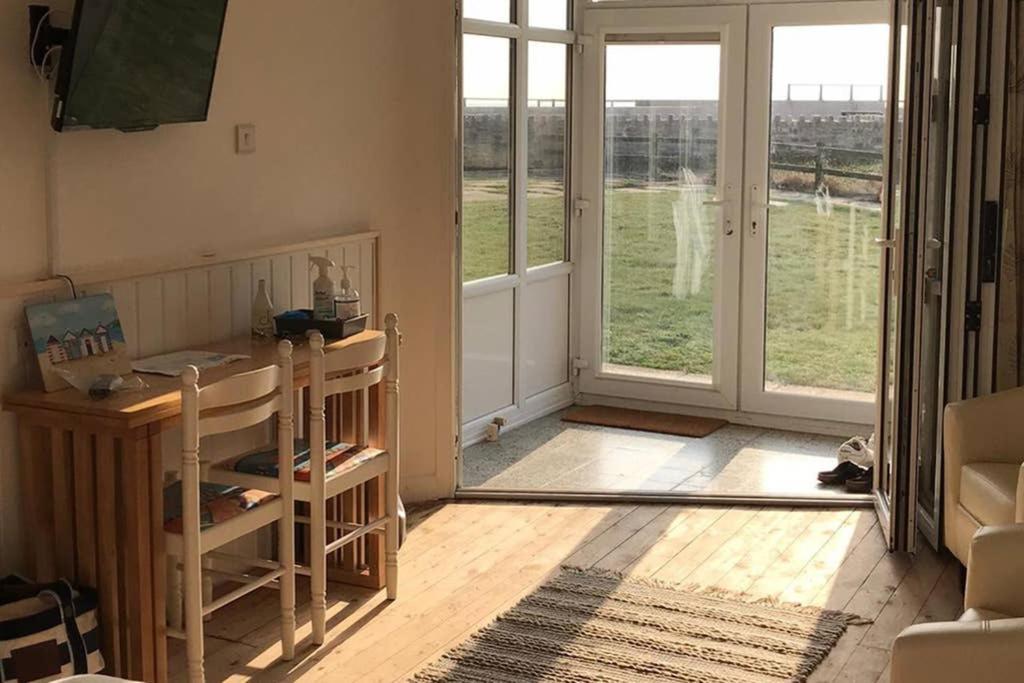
(47, 631)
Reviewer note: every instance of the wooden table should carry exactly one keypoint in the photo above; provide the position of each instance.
(92, 489)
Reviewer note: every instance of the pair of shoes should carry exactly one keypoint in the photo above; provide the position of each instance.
(863, 483)
(858, 450)
(842, 473)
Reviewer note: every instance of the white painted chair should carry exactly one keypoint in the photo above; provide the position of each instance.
(230, 405)
(348, 371)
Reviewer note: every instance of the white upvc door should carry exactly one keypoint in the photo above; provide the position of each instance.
(813, 209)
(661, 203)
(516, 64)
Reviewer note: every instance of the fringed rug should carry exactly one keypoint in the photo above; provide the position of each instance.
(587, 625)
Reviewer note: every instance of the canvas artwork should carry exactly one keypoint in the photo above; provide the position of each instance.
(83, 336)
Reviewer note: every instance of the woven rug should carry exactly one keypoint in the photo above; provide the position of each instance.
(587, 625)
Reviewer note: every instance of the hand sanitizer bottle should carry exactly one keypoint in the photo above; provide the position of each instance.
(323, 289)
(262, 312)
(346, 304)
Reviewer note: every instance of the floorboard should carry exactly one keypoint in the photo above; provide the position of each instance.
(465, 563)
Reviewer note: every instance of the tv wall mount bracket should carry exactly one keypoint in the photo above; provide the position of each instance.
(43, 35)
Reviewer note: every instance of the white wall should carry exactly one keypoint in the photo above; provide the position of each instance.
(354, 107)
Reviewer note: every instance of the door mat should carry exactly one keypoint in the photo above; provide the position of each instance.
(662, 423)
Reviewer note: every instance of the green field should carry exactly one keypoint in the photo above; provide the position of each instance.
(822, 284)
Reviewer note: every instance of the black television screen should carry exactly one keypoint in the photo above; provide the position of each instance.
(137, 64)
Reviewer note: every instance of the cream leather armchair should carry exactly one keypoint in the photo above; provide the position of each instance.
(984, 481)
(987, 644)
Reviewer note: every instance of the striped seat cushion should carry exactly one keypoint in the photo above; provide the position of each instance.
(264, 462)
(217, 504)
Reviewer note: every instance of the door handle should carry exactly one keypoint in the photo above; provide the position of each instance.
(884, 243)
(726, 221)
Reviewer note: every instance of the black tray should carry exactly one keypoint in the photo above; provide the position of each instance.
(331, 329)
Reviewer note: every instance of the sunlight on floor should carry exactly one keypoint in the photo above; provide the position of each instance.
(550, 455)
(464, 564)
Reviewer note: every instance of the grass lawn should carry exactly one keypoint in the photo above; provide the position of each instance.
(822, 285)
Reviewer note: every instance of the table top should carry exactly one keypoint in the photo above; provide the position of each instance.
(162, 399)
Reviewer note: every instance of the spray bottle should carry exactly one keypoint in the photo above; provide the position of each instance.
(323, 289)
(346, 304)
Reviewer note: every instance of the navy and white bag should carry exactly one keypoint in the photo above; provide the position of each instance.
(47, 631)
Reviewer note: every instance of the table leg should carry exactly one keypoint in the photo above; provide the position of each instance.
(83, 464)
(159, 555)
(63, 495)
(40, 539)
(138, 581)
(374, 542)
(106, 538)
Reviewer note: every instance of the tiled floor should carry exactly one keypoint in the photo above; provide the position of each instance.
(551, 455)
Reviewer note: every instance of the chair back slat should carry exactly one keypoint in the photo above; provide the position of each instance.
(237, 417)
(241, 388)
(350, 383)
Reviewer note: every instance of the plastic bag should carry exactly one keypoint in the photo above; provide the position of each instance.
(101, 386)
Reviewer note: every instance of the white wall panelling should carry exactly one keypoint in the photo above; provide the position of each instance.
(166, 311)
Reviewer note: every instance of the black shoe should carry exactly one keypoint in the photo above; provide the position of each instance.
(842, 473)
(862, 484)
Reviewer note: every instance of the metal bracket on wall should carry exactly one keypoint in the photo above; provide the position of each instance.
(989, 240)
(972, 316)
(982, 106)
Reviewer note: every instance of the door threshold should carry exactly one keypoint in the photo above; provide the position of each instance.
(666, 498)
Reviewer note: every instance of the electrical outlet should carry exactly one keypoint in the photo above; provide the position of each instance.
(245, 138)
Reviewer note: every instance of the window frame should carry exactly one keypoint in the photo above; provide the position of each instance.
(520, 35)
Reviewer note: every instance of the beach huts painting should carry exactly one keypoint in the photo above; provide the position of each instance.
(83, 336)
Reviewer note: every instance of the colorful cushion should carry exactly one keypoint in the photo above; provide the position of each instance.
(264, 462)
(217, 504)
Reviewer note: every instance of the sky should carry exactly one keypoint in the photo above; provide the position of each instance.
(842, 56)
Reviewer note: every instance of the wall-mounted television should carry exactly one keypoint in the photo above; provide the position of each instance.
(138, 64)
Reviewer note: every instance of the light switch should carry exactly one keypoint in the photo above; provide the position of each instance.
(245, 138)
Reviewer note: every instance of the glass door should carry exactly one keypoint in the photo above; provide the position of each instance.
(894, 483)
(937, 144)
(815, 179)
(662, 164)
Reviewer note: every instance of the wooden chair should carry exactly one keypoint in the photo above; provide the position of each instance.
(230, 405)
(331, 471)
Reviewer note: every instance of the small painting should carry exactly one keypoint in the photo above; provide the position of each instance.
(83, 336)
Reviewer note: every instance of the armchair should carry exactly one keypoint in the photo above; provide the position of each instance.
(987, 644)
(984, 450)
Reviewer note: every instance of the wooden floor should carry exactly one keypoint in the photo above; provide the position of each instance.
(463, 563)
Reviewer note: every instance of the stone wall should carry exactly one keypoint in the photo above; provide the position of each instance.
(655, 141)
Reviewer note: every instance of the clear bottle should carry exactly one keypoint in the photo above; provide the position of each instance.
(323, 289)
(346, 303)
(262, 312)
